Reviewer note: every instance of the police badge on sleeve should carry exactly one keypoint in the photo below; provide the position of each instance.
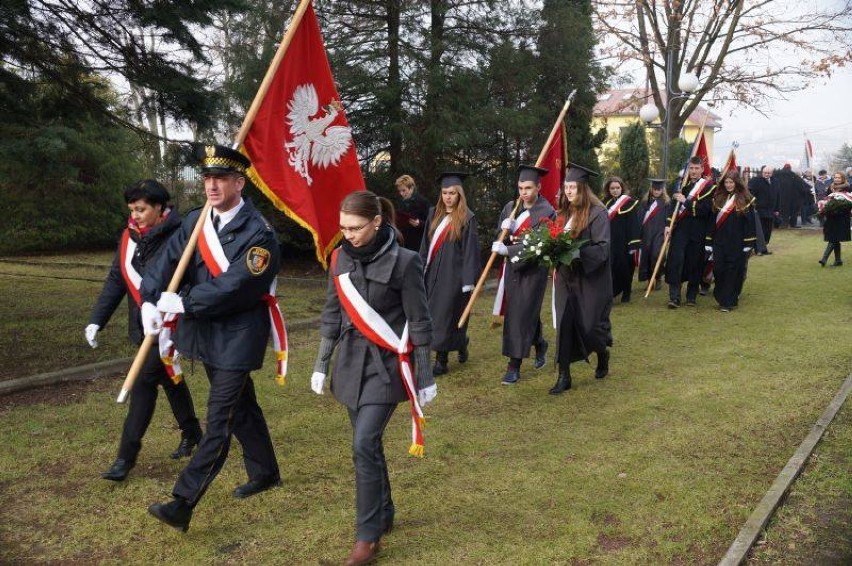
(257, 260)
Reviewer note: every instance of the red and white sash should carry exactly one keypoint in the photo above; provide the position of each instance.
(726, 210)
(438, 239)
(522, 222)
(693, 195)
(651, 212)
(376, 329)
(133, 282)
(217, 263)
(615, 207)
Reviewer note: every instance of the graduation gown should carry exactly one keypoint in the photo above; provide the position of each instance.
(525, 287)
(455, 265)
(685, 261)
(729, 261)
(624, 240)
(652, 235)
(583, 295)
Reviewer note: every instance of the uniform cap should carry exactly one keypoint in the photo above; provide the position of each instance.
(219, 159)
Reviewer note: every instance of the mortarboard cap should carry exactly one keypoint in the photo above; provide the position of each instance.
(218, 159)
(530, 173)
(578, 173)
(451, 178)
(658, 183)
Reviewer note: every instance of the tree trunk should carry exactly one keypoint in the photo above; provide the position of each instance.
(394, 100)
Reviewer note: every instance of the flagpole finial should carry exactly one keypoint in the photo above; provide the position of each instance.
(735, 144)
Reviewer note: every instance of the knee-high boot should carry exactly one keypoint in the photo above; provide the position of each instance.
(828, 247)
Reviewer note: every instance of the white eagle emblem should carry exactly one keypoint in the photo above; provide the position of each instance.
(314, 141)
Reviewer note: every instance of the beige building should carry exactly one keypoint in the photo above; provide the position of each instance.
(618, 108)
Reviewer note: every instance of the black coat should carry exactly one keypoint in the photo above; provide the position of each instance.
(226, 323)
(148, 247)
(652, 235)
(526, 284)
(792, 191)
(392, 284)
(456, 265)
(685, 260)
(624, 231)
(836, 227)
(766, 196)
(417, 207)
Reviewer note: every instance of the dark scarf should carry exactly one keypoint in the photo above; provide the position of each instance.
(380, 244)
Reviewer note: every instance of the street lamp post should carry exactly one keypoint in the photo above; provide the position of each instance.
(688, 83)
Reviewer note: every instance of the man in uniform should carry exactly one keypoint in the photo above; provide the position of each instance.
(692, 204)
(225, 324)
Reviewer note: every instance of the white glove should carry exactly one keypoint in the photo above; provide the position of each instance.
(170, 303)
(317, 382)
(427, 394)
(467, 288)
(508, 224)
(499, 248)
(152, 320)
(708, 249)
(747, 249)
(91, 333)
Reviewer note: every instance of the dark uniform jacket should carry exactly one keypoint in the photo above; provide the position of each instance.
(456, 265)
(584, 293)
(148, 247)
(652, 234)
(226, 323)
(685, 261)
(392, 284)
(525, 287)
(766, 197)
(417, 207)
(624, 240)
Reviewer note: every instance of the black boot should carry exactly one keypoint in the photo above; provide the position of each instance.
(837, 261)
(563, 382)
(176, 513)
(188, 442)
(440, 367)
(827, 253)
(603, 364)
(119, 469)
(464, 353)
(541, 354)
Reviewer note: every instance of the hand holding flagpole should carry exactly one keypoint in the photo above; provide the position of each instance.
(188, 252)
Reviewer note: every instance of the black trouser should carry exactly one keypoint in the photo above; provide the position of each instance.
(832, 247)
(232, 409)
(767, 224)
(374, 508)
(143, 399)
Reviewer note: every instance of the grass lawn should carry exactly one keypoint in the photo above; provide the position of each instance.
(45, 303)
(659, 463)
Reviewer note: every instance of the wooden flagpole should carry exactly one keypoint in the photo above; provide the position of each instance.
(484, 276)
(665, 248)
(189, 250)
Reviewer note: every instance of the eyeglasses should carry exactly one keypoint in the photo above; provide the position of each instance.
(347, 230)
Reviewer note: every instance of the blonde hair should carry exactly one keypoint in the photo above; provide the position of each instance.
(405, 181)
(458, 216)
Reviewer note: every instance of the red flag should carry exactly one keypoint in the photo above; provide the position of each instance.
(731, 163)
(300, 144)
(555, 157)
(701, 151)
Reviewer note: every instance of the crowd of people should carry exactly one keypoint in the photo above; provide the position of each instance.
(397, 286)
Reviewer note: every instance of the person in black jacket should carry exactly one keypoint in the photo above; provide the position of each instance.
(225, 324)
(150, 224)
(836, 227)
(375, 292)
(623, 213)
(411, 214)
(767, 203)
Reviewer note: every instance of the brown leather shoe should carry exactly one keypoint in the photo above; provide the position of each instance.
(362, 553)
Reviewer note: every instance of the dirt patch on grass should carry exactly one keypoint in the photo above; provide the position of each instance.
(59, 394)
(613, 543)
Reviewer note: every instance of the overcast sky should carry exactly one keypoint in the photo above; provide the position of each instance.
(823, 111)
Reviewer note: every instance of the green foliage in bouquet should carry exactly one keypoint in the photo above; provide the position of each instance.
(834, 204)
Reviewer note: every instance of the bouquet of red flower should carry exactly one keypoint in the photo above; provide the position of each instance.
(834, 204)
(548, 244)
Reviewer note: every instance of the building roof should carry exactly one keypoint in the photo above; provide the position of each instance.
(627, 101)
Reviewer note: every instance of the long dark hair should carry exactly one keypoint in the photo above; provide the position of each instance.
(742, 196)
(580, 210)
(368, 205)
